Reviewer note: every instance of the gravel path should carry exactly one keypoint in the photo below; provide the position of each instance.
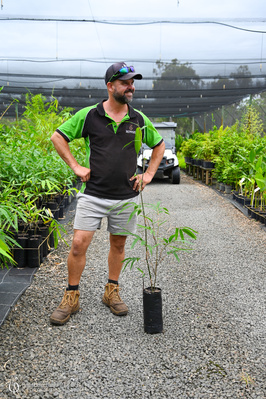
(213, 345)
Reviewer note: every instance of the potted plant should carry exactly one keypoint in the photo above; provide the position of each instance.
(10, 214)
(188, 149)
(155, 244)
(8, 229)
(254, 180)
(32, 177)
(207, 153)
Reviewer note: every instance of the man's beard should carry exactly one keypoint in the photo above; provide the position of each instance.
(122, 98)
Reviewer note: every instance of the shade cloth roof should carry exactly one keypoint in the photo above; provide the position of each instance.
(202, 95)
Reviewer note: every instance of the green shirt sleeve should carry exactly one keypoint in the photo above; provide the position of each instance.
(151, 136)
(73, 127)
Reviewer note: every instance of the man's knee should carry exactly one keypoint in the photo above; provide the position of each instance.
(77, 247)
(80, 244)
(118, 243)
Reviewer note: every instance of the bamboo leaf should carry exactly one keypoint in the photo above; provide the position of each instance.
(5, 251)
(175, 254)
(4, 246)
(135, 241)
(171, 238)
(252, 155)
(150, 248)
(130, 261)
(138, 139)
(135, 211)
(5, 254)
(258, 163)
(190, 232)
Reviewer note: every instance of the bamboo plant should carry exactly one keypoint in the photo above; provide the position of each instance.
(155, 244)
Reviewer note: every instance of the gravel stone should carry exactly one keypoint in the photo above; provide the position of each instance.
(213, 344)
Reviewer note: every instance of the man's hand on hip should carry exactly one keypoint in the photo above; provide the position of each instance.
(141, 181)
(83, 172)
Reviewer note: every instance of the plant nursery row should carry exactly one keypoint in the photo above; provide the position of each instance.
(35, 185)
(236, 157)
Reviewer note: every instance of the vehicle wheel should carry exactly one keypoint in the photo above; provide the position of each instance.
(175, 175)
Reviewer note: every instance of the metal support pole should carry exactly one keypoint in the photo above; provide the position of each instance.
(222, 119)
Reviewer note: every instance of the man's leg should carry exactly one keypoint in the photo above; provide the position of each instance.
(77, 256)
(111, 296)
(76, 263)
(116, 255)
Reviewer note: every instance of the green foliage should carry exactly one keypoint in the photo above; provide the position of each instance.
(235, 151)
(152, 238)
(181, 160)
(178, 142)
(200, 145)
(138, 140)
(254, 175)
(57, 229)
(252, 123)
(6, 242)
(11, 210)
(259, 104)
(155, 238)
(31, 169)
(28, 159)
(189, 147)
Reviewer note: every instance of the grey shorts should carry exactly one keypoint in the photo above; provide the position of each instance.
(91, 210)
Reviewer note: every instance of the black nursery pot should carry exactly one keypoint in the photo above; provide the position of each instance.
(34, 257)
(20, 253)
(152, 308)
(44, 232)
(208, 164)
(61, 210)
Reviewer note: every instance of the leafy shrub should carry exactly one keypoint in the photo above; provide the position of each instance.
(31, 169)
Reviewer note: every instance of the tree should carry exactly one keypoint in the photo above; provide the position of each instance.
(175, 76)
(172, 77)
(242, 77)
(239, 79)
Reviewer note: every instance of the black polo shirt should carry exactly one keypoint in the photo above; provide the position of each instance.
(110, 149)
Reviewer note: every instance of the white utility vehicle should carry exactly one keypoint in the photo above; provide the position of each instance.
(169, 167)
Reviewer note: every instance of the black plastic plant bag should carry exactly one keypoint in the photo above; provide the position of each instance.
(152, 308)
(20, 253)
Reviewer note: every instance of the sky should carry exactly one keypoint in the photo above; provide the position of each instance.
(91, 47)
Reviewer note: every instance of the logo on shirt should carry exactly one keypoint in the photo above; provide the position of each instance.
(130, 129)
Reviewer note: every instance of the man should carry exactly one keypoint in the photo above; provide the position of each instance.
(109, 180)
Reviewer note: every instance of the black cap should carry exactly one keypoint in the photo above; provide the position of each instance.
(112, 73)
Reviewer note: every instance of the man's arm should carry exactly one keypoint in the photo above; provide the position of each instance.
(64, 152)
(143, 179)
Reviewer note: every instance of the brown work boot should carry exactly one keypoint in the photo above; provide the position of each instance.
(113, 300)
(69, 305)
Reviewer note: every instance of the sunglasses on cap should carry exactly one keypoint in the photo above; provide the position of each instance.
(121, 72)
